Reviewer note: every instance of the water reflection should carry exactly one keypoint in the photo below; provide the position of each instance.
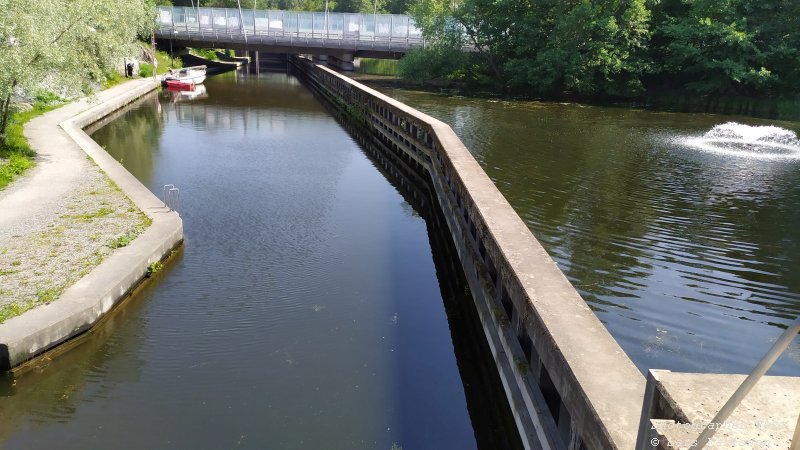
(490, 415)
(176, 95)
(692, 259)
(56, 387)
(142, 135)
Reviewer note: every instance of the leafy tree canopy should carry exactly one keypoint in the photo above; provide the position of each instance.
(613, 47)
(64, 45)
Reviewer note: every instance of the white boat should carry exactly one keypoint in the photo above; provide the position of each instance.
(188, 76)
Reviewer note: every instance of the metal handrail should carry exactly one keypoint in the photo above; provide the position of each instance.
(747, 385)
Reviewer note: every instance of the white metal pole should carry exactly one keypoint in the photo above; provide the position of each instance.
(241, 21)
(155, 59)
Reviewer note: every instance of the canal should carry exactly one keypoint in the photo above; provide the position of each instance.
(681, 231)
(315, 303)
(309, 308)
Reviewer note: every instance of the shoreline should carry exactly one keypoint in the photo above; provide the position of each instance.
(59, 140)
(782, 109)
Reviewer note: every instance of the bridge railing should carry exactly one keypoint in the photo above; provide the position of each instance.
(394, 28)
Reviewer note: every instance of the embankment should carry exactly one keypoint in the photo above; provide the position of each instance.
(82, 305)
(568, 382)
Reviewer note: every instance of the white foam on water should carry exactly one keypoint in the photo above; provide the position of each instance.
(759, 142)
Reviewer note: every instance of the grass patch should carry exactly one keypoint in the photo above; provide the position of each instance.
(121, 241)
(164, 64)
(15, 166)
(113, 79)
(154, 267)
(207, 53)
(376, 66)
(16, 156)
(15, 309)
(47, 295)
(43, 296)
(102, 212)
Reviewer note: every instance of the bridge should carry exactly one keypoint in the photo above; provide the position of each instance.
(341, 35)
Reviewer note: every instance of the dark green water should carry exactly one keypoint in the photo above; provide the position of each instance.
(304, 311)
(690, 257)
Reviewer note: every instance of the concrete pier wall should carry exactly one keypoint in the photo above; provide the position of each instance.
(568, 382)
(87, 301)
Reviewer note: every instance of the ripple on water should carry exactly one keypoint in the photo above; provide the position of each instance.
(681, 240)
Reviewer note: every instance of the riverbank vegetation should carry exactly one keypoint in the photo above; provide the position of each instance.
(207, 53)
(611, 49)
(16, 155)
(165, 63)
(376, 66)
(65, 46)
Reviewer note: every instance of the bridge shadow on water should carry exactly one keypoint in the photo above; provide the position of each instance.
(491, 416)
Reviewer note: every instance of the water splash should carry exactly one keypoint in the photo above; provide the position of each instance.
(760, 142)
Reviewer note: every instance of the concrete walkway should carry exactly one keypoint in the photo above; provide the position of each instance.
(75, 194)
(60, 166)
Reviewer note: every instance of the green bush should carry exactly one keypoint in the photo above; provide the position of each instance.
(145, 70)
(378, 66)
(113, 79)
(47, 97)
(15, 166)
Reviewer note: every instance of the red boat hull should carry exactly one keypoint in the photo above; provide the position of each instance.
(179, 85)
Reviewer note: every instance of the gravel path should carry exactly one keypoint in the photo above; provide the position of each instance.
(59, 221)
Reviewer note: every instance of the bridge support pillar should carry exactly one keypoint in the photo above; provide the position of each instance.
(321, 58)
(343, 62)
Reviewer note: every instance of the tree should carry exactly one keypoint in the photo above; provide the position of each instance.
(613, 48)
(64, 45)
(547, 46)
(443, 56)
(725, 47)
(588, 47)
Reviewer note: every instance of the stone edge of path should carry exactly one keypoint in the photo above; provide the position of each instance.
(84, 303)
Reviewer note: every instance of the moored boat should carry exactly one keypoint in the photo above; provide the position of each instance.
(187, 76)
(178, 85)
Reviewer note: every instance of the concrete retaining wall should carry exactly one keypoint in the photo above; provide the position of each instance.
(81, 306)
(568, 382)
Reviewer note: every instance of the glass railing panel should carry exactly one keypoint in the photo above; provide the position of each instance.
(351, 25)
(305, 22)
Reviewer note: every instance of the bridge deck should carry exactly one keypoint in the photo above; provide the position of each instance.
(290, 30)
